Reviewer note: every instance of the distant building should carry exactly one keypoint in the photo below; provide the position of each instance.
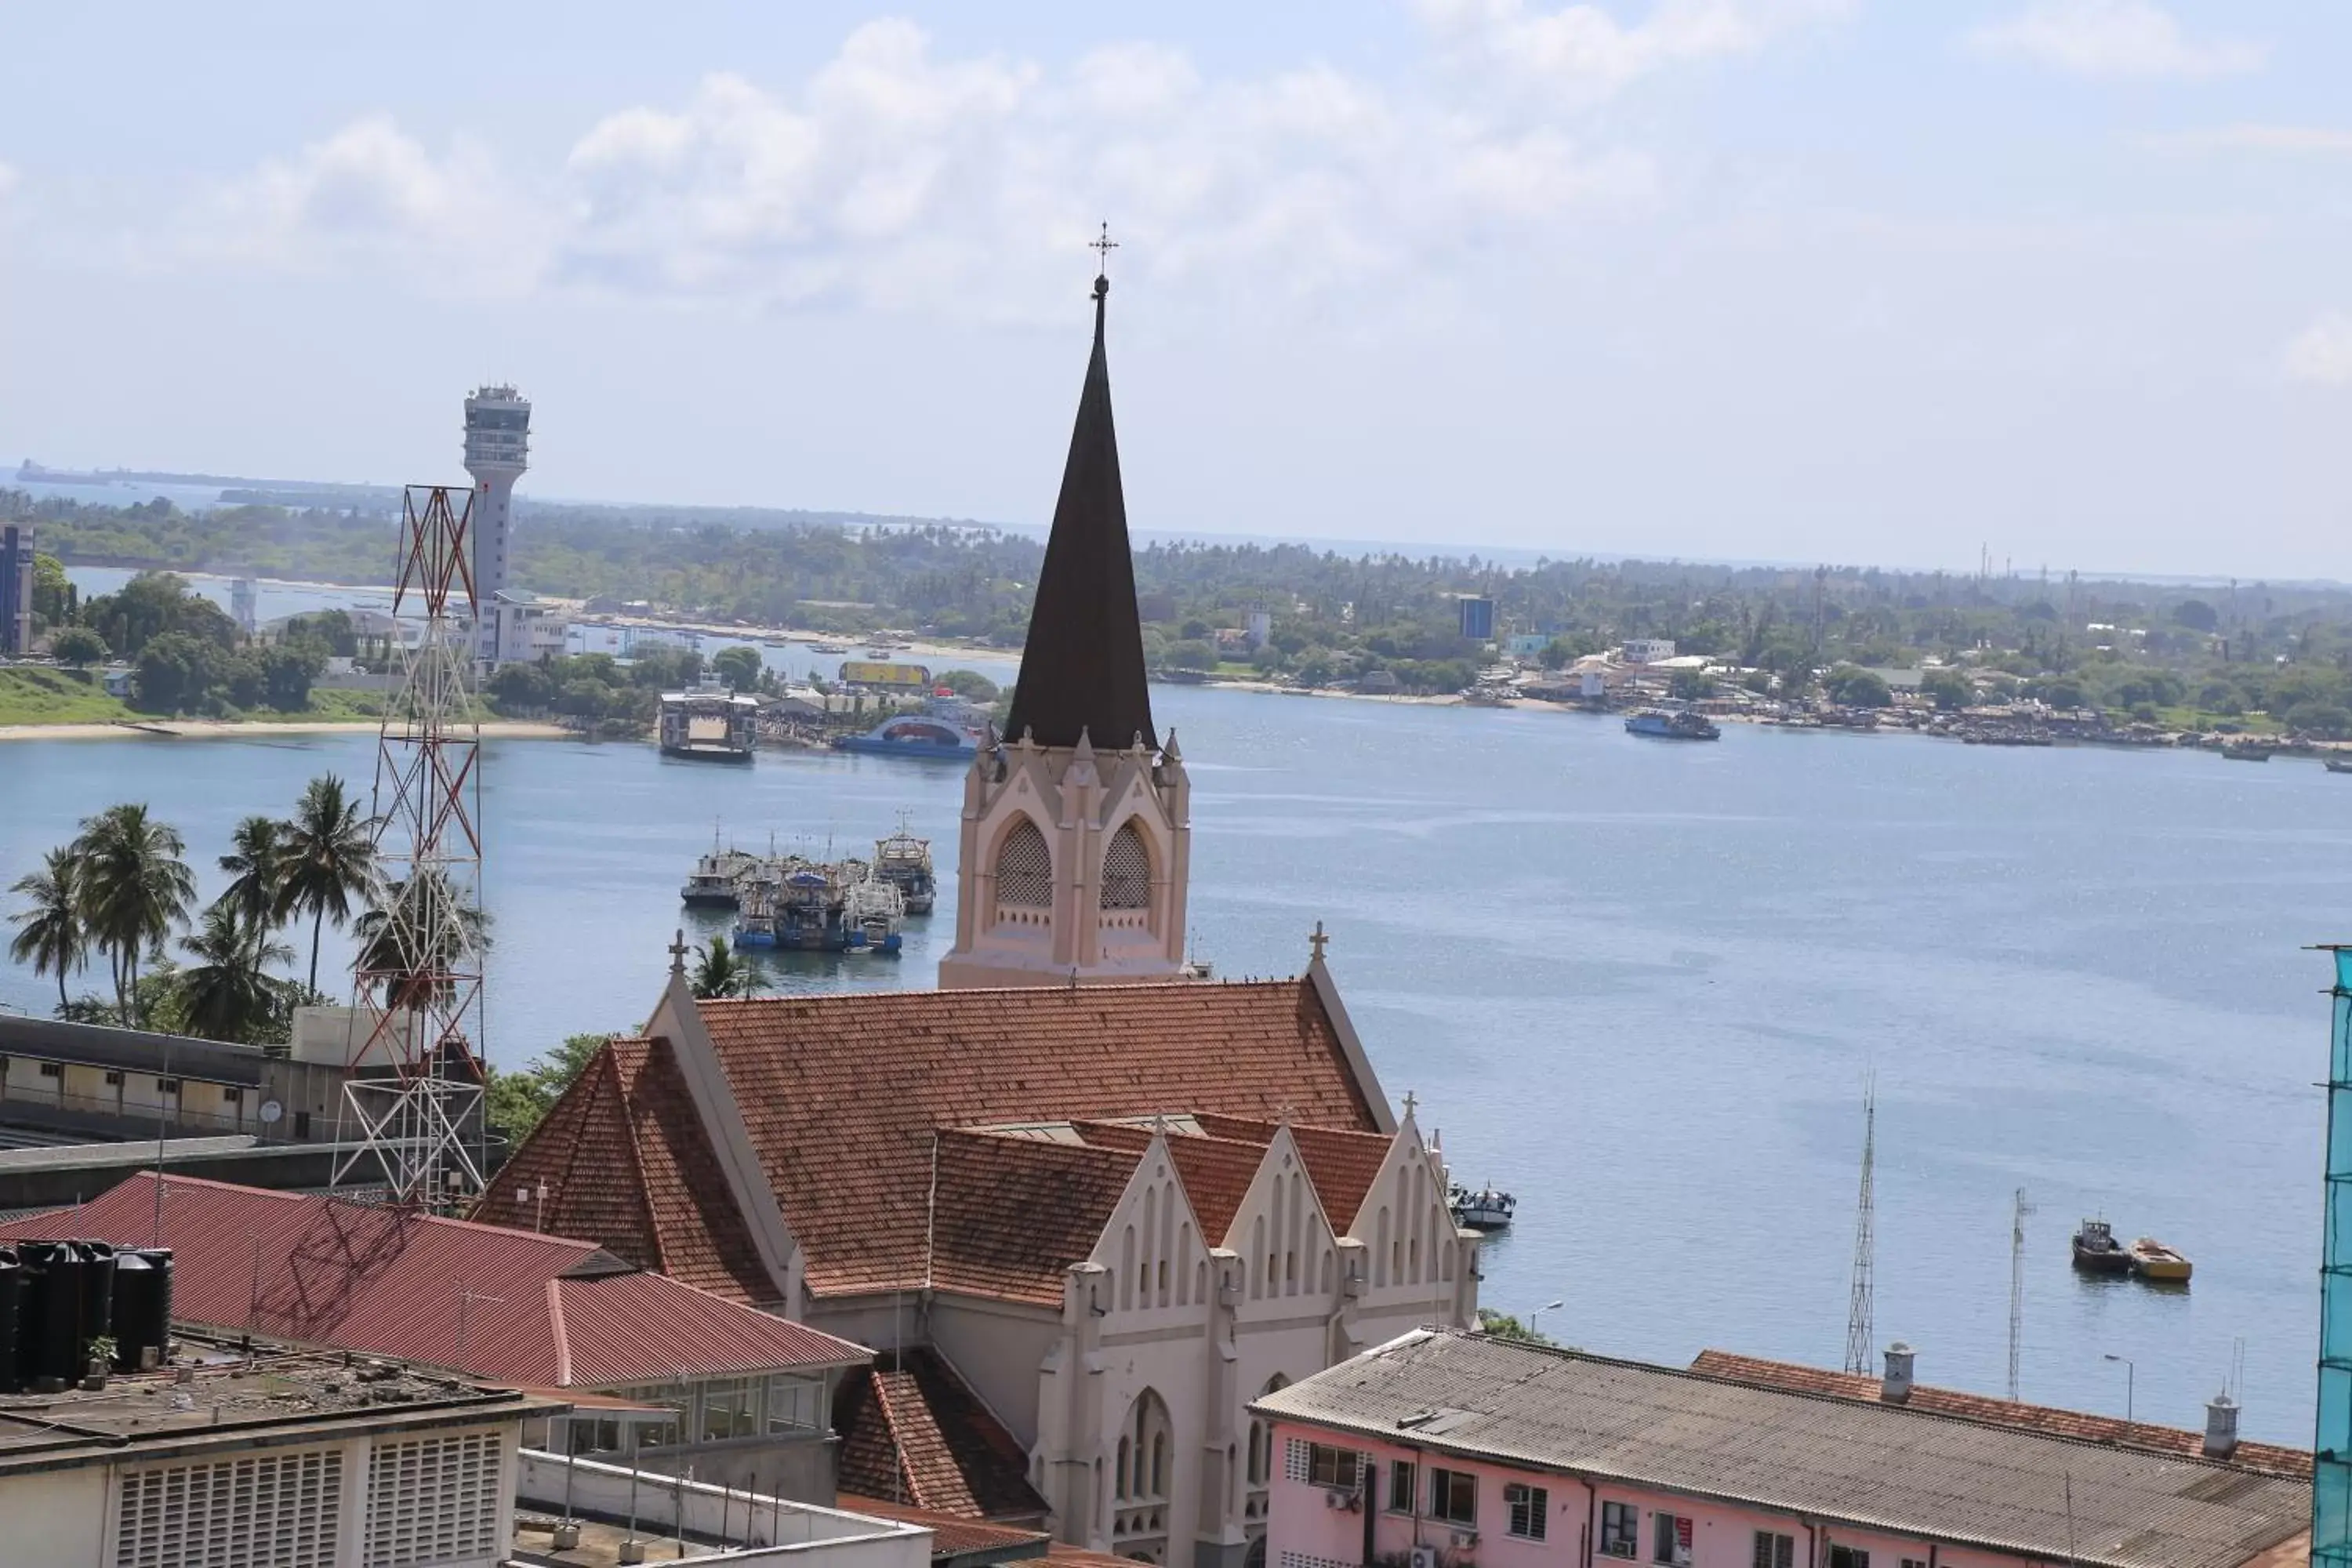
(241, 596)
(1646, 650)
(1527, 644)
(15, 590)
(523, 627)
(1259, 627)
(497, 451)
(1440, 1442)
(1477, 615)
(233, 1458)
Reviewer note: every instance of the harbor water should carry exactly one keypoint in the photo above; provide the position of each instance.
(1639, 982)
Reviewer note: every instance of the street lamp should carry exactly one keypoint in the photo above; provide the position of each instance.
(1539, 1311)
(2130, 1374)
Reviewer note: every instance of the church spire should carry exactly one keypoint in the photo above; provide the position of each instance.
(1082, 669)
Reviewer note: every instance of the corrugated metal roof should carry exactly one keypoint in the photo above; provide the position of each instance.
(1880, 1466)
(532, 1311)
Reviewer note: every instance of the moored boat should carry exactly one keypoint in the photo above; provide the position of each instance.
(904, 861)
(2337, 764)
(2097, 1250)
(1683, 725)
(1488, 1208)
(711, 884)
(2151, 1260)
(2246, 751)
(914, 735)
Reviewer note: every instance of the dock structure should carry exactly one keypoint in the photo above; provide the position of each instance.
(2331, 1480)
(709, 726)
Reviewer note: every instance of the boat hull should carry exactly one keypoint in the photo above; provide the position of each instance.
(868, 746)
(698, 899)
(709, 753)
(2091, 1260)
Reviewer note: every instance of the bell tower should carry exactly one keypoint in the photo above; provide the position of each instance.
(1075, 849)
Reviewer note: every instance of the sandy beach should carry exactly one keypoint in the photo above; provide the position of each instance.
(205, 730)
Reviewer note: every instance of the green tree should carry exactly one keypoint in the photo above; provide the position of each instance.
(1949, 688)
(515, 1101)
(135, 890)
(229, 993)
(53, 594)
(2196, 615)
(969, 683)
(720, 971)
(78, 645)
(417, 938)
(739, 667)
(173, 673)
(256, 865)
(1504, 1326)
(50, 935)
(1690, 685)
(1856, 687)
(327, 854)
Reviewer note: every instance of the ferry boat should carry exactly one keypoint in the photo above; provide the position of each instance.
(2097, 1250)
(2151, 1260)
(1486, 1209)
(709, 724)
(904, 861)
(711, 884)
(914, 735)
(1677, 726)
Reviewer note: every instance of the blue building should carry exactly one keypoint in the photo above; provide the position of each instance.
(15, 590)
(1477, 618)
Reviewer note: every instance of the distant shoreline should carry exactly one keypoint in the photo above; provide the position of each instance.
(248, 728)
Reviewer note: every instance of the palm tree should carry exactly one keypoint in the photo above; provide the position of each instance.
(256, 865)
(437, 932)
(230, 994)
(135, 891)
(327, 854)
(720, 971)
(50, 935)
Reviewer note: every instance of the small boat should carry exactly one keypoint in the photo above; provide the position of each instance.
(904, 861)
(828, 647)
(2151, 1260)
(711, 884)
(914, 735)
(2337, 764)
(2097, 1250)
(881, 653)
(2243, 752)
(1486, 1209)
(1663, 725)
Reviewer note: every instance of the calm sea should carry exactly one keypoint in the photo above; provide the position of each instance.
(1639, 984)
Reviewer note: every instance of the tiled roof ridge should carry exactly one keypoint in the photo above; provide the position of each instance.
(2186, 1442)
(563, 1243)
(1694, 1374)
(917, 1420)
(830, 999)
(636, 1156)
(555, 1324)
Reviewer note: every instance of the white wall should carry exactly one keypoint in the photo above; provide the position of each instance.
(815, 1537)
(56, 1518)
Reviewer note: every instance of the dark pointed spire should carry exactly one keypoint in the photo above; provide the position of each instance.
(1082, 669)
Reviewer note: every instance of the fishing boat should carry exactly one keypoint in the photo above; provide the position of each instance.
(871, 910)
(755, 917)
(2151, 1260)
(914, 735)
(2246, 751)
(1488, 1208)
(2337, 764)
(809, 910)
(711, 884)
(2097, 1250)
(904, 861)
(828, 647)
(1683, 725)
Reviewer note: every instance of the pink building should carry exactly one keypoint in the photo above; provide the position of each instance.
(1445, 1449)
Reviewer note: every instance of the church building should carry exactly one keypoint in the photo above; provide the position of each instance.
(1085, 1207)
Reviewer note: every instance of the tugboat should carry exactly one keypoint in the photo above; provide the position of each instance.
(904, 861)
(1683, 725)
(2097, 1250)
(2152, 1260)
(1486, 1209)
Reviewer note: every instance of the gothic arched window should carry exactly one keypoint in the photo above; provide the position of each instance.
(1147, 1439)
(1126, 871)
(1024, 869)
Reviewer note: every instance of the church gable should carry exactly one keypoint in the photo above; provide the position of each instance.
(1410, 1242)
(1152, 1245)
(1280, 1230)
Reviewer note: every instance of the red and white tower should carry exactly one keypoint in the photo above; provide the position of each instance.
(416, 1081)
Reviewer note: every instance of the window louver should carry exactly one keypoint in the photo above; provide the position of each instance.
(269, 1510)
(433, 1499)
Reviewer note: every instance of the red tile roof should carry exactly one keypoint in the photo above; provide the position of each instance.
(841, 1095)
(1217, 1173)
(524, 1309)
(1792, 1377)
(951, 1534)
(1343, 1162)
(1013, 1213)
(911, 1427)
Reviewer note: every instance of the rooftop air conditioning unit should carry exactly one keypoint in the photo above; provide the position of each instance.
(1424, 1557)
(1334, 1500)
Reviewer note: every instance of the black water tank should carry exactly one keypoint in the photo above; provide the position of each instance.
(97, 1296)
(11, 1295)
(48, 1330)
(142, 1321)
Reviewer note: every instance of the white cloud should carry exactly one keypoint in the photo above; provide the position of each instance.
(374, 195)
(2113, 38)
(2322, 352)
(2279, 141)
(1583, 52)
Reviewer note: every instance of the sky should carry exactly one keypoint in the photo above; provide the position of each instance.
(1848, 281)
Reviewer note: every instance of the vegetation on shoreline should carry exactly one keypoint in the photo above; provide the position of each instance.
(2247, 655)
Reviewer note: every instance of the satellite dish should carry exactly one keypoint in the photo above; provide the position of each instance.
(272, 1110)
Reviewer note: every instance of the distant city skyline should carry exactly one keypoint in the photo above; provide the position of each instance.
(1720, 279)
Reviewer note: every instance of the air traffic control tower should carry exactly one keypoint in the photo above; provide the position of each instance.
(498, 450)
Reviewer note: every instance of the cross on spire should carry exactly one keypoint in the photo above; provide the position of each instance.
(677, 954)
(1410, 1102)
(1316, 942)
(1102, 249)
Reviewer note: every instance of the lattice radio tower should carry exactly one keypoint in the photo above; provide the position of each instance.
(1858, 1330)
(2016, 1284)
(414, 1083)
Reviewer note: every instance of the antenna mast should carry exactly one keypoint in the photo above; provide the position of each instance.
(2016, 1283)
(414, 1083)
(1858, 1332)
